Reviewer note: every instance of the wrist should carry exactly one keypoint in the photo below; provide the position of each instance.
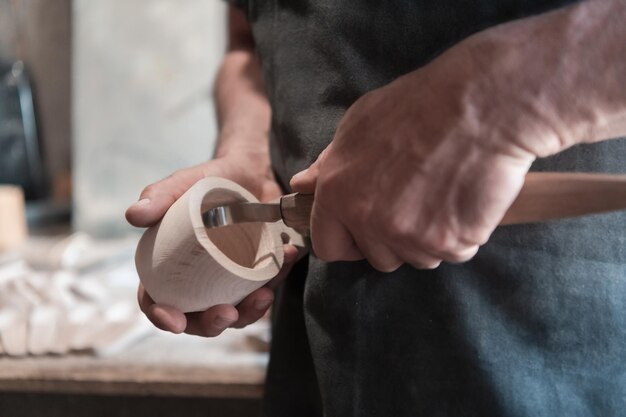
(233, 142)
(247, 150)
(515, 106)
(250, 168)
(538, 79)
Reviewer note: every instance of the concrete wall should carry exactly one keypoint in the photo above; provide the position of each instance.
(143, 73)
(38, 32)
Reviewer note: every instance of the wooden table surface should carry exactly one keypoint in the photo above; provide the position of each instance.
(151, 362)
(81, 375)
(164, 365)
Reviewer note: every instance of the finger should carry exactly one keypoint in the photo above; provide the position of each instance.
(424, 261)
(379, 256)
(254, 306)
(419, 259)
(156, 198)
(291, 256)
(164, 317)
(460, 252)
(212, 322)
(331, 239)
(167, 318)
(305, 181)
(143, 298)
(461, 255)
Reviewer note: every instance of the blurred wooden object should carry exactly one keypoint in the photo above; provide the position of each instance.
(39, 33)
(13, 229)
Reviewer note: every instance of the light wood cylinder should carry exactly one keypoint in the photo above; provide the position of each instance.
(185, 265)
(13, 229)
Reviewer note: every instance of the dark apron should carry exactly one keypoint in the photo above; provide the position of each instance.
(535, 325)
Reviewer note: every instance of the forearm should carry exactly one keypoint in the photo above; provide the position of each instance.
(564, 70)
(243, 110)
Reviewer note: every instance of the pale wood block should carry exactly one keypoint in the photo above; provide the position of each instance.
(13, 332)
(11, 271)
(42, 328)
(61, 338)
(84, 324)
(13, 229)
(113, 323)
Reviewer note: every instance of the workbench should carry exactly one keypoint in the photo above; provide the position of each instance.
(191, 374)
(147, 373)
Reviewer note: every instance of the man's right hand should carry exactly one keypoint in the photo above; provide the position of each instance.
(156, 199)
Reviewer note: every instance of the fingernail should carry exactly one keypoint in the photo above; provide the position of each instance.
(222, 322)
(262, 304)
(141, 203)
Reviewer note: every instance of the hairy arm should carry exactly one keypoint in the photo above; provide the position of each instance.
(242, 155)
(243, 111)
(565, 71)
(242, 150)
(431, 176)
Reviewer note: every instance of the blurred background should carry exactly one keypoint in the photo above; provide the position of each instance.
(122, 94)
(97, 100)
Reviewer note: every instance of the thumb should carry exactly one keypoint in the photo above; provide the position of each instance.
(157, 198)
(305, 181)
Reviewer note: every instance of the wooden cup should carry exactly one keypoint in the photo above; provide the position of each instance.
(185, 265)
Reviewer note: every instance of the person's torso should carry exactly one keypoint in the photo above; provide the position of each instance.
(535, 325)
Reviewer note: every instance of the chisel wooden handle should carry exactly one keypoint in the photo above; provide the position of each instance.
(544, 196)
(296, 211)
(558, 195)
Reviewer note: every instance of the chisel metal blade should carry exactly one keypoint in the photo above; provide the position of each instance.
(241, 213)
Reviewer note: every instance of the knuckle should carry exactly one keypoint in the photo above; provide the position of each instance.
(442, 242)
(382, 258)
(420, 260)
(475, 236)
(455, 258)
(401, 228)
(463, 255)
(432, 265)
(447, 243)
(150, 189)
(177, 174)
(384, 266)
(246, 320)
(425, 264)
(481, 237)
